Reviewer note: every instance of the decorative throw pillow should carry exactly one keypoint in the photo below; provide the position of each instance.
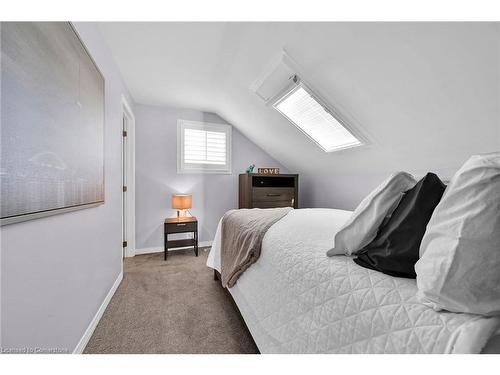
(395, 249)
(459, 265)
(362, 227)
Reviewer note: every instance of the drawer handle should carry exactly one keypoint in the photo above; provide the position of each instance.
(181, 225)
(273, 195)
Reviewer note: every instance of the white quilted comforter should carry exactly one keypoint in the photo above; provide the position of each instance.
(295, 299)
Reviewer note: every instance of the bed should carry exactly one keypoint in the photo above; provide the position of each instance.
(295, 299)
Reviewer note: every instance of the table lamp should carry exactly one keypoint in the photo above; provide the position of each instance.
(181, 203)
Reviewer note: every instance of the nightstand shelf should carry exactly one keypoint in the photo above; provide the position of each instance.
(180, 225)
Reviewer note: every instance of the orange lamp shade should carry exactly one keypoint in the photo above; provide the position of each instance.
(181, 201)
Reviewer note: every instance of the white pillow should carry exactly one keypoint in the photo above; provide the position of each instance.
(459, 265)
(363, 225)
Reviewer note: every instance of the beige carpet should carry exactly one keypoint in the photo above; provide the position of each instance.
(170, 307)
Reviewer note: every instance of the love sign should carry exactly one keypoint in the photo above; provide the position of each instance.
(267, 170)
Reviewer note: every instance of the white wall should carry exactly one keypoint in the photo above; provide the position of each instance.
(157, 178)
(426, 93)
(56, 271)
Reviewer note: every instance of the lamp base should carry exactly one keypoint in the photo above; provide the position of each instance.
(181, 213)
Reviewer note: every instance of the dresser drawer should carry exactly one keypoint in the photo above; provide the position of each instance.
(272, 204)
(181, 227)
(271, 194)
(267, 191)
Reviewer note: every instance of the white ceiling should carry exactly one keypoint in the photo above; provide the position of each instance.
(426, 94)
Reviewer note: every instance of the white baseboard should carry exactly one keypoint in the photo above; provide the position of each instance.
(151, 250)
(90, 329)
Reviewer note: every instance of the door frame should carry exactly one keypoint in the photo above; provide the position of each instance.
(129, 117)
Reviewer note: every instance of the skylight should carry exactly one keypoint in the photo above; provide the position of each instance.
(303, 110)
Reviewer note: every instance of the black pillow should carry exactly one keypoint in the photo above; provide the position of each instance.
(395, 249)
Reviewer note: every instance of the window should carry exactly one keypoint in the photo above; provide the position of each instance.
(320, 124)
(203, 147)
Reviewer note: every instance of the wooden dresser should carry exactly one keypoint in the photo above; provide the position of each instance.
(268, 191)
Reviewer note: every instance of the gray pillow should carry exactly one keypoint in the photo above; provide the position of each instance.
(363, 225)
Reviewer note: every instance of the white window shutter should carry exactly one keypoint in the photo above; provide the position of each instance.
(203, 147)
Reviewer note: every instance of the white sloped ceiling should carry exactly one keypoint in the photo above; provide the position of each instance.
(425, 94)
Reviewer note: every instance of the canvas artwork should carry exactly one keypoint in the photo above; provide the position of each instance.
(52, 122)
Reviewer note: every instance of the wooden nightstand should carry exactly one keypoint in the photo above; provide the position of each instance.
(181, 225)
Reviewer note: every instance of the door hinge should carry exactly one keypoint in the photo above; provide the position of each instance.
(124, 244)
(124, 133)
(124, 189)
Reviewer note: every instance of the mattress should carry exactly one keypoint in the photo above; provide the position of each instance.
(295, 299)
